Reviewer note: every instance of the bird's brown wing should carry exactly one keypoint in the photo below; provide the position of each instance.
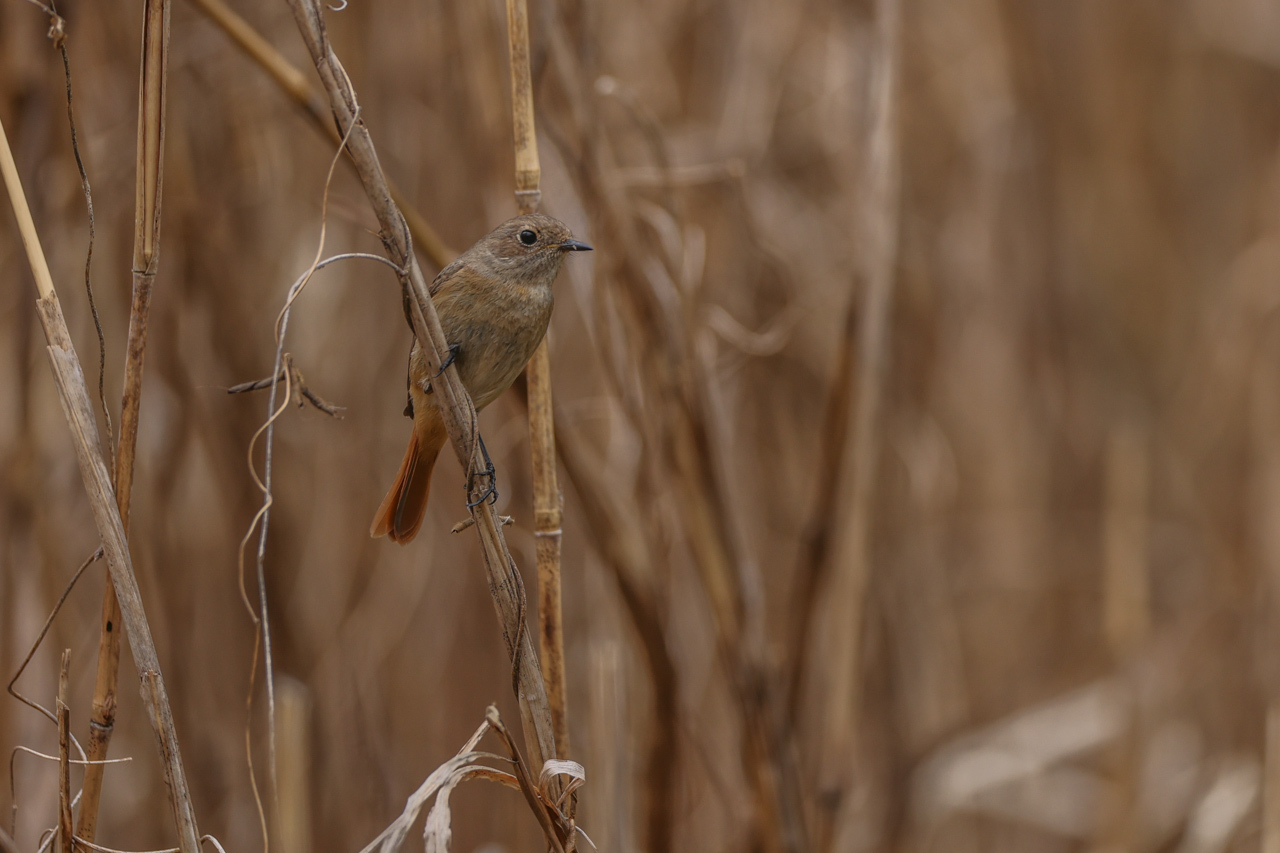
(443, 277)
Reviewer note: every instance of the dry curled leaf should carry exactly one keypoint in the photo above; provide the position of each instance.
(554, 767)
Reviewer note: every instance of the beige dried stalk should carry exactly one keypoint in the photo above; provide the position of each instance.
(293, 760)
(548, 508)
(455, 404)
(294, 84)
(1126, 617)
(813, 562)
(146, 253)
(844, 616)
(78, 410)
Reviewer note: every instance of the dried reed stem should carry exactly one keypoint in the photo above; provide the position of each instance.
(295, 85)
(851, 563)
(293, 726)
(1126, 593)
(78, 410)
(1126, 616)
(455, 404)
(813, 561)
(146, 250)
(528, 170)
(548, 508)
(548, 511)
(64, 757)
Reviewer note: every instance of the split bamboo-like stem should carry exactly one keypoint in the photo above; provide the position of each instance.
(78, 409)
(456, 408)
(294, 84)
(548, 506)
(146, 253)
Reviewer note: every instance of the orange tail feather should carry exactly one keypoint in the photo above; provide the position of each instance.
(404, 507)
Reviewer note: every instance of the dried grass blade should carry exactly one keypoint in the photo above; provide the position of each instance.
(391, 838)
(530, 792)
(437, 833)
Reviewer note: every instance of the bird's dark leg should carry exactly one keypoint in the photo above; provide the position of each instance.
(490, 492)
(449, 359)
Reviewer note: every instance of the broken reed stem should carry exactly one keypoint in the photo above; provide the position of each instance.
(851, 551)
(78, 409)
(64, 757)
(294, 84)
(152, 85)
(455, 404)
(548, 509)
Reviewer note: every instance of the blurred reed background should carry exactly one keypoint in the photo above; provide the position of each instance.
(919, 420)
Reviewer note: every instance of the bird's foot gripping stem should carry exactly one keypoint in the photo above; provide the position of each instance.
(448, 360)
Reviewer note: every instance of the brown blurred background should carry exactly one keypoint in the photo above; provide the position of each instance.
(919, 411)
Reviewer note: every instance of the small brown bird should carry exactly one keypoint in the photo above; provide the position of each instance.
(494, 304)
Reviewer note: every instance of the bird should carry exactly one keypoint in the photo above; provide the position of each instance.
(494, 304)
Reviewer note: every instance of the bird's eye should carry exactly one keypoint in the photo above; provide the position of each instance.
(528, 237)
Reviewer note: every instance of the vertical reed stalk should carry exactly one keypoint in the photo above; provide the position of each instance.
(547, 503)
(78, 409)
(1126, 615)
(64, 757)
(813, 561)
(146, 250)
(293, 727)
(852, 559)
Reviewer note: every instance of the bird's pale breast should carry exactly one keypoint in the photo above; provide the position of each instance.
(496, 326)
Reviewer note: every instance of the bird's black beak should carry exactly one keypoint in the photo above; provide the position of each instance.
(574, 246)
